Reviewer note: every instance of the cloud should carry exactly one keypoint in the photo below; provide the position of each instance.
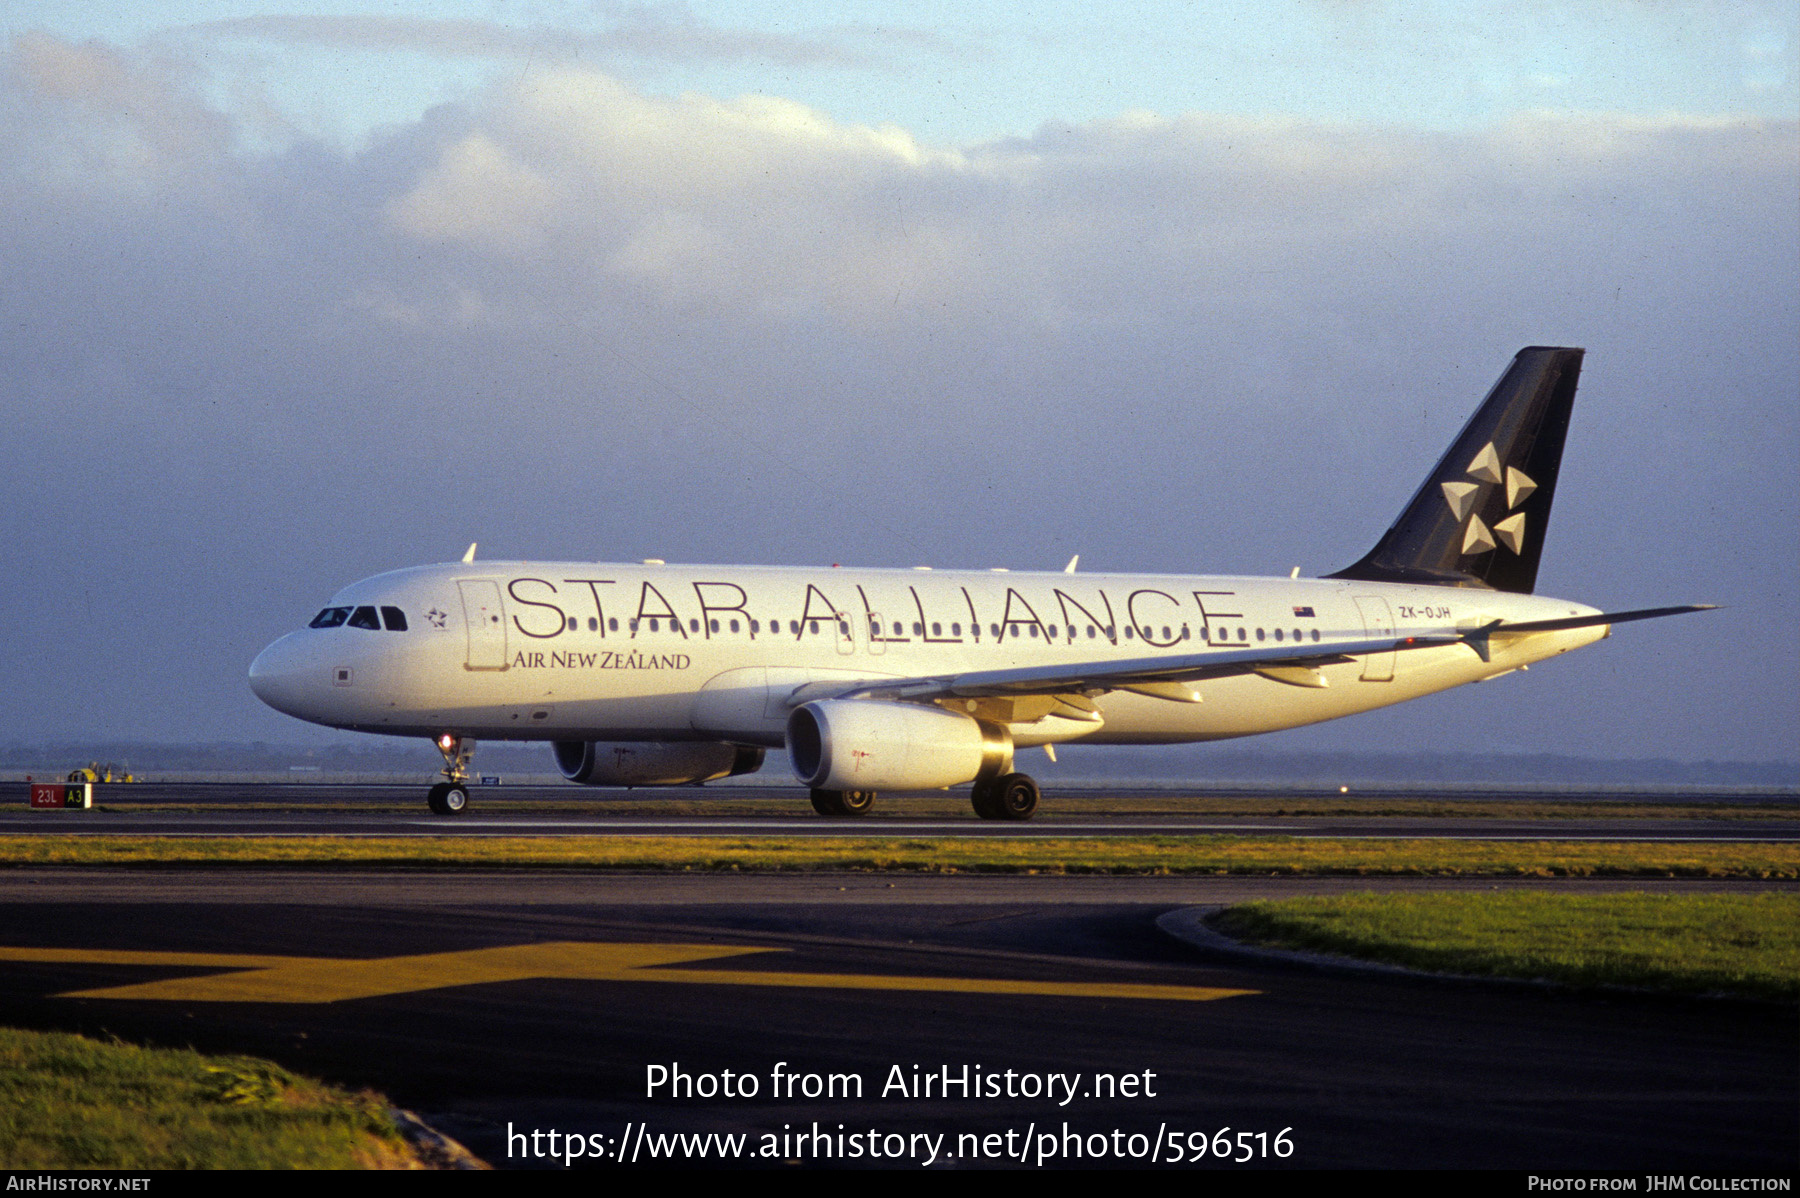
(656, 33)
(87, 116)
(761, 205)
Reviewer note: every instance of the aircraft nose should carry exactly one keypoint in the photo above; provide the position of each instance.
(288, 676)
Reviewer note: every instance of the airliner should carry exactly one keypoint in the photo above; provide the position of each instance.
(652, 674)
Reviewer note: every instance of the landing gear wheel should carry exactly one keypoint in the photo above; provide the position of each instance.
(447, 798)
(981, 797)
(1015, 797)
(838, 804)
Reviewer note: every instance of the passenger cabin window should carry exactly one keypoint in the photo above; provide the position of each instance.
(394, 618)
(365, 617)
(574, 625)
(613, 624)
(593, 624)
(331, 617)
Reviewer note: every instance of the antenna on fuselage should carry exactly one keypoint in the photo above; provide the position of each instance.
(1070, 569)
(470, 555)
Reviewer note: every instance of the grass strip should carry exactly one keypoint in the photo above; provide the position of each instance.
(1737, 944)
(1155, 855)
(69, 1102)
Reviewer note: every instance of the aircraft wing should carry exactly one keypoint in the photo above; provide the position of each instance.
(1168, 676)
(1152, 675)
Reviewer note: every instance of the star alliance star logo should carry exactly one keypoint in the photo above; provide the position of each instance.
(1462, 496)
(438, 619)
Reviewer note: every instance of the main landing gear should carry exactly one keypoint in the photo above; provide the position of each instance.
(1010, 796)
(840, 804)
(451, 796)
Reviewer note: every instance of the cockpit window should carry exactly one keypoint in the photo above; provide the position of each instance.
(395, 619)
(364, 617)
(331, 617)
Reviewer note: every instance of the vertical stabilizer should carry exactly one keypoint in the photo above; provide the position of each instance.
(1481, 516)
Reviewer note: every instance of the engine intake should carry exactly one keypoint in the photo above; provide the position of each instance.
(652, 763)
(855, 744)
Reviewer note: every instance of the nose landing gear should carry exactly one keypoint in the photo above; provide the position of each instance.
(447, 798)
(451, 796)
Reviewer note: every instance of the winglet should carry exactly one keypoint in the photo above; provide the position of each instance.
(470, 555)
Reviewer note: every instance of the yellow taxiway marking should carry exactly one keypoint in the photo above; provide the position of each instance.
(262, 978)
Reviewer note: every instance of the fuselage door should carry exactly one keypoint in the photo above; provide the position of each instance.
(485, 620)
(1378, 621)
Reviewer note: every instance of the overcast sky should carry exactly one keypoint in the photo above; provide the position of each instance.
(289, 299)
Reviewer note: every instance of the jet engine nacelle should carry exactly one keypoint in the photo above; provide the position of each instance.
(855, 744)
(652, 763)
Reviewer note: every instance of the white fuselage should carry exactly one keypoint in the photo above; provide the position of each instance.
(576, 651)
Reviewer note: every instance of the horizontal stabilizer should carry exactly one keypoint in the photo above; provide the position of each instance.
(1478, 640)
(1605, 617)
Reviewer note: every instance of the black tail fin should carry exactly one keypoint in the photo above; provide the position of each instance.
(1480, 518)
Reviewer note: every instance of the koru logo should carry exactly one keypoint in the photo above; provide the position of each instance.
(1462, 496)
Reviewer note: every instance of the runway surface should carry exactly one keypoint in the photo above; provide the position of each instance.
(319, 810)
(487, 1000)
(725, 795)
(354, 824)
